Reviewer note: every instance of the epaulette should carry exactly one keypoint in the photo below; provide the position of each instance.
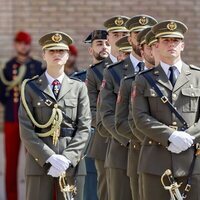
(75, 78)
(114, 64)
(130, 76)
(94, 65)
(33, 78)
(145, 71)
(194, 67)
(79, 73)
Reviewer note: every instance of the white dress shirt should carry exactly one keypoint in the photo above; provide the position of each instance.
(166, 67)
(51, 79)
(113, 58)
(135, 62)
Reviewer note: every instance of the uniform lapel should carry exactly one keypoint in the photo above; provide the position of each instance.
(44, 86)
(162, 78)
(65, 88)
(183, 78)
(128, 67)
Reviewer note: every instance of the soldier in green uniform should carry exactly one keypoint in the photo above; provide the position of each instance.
(54, 118)
(95, 76)
(119, 181)
(123, 115)
(99, 50)
(151, 41)
(165, 103)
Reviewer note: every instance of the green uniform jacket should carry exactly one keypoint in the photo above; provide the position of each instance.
(153, 118)
(108, 98)
(123, 118)
(74, 100)
(93, 80)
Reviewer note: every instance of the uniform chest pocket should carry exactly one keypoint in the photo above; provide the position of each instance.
(41, 111)
(190, 99)
(70, 108)
(153, 99)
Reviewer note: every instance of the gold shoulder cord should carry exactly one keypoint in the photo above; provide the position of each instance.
(54, 121)
(11, 84)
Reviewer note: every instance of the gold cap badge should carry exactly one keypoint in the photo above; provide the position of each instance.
(172, 26)
(143, 21)
(119, 21)
(57, 37)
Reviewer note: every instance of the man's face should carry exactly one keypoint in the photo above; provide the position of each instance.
(113, 37)
(170, 48)
(147, 54)
(133, 41)
(100, 49)
(22, 48)
(55, 58)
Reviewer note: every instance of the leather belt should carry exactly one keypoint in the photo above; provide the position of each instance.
(67, 132)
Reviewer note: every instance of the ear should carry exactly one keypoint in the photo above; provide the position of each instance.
(182, 45)
(90, 51)
(43, 55)
(129, 40)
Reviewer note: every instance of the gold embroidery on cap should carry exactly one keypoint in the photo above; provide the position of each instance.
(57, 37)
(143, 21)
(172, 26)
(119, 21)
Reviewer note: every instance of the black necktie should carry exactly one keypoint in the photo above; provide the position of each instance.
(172, 76)
(140, 66)
(56, 88)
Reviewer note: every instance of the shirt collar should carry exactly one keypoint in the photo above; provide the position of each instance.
(134, 60)
(166, 67)
(51, 79)
(113, 58)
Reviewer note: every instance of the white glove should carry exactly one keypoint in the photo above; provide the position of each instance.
(181, 139)
(60, 162)
(54, 172)
(174, 149)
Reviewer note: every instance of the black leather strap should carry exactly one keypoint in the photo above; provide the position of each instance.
(166, 101)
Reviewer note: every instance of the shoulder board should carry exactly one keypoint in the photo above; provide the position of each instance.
(194, 67)
(130, 76)
(79, 73)
(114, 64)
(145, 71)
(74, 78)
(32, 79)
(97, 64)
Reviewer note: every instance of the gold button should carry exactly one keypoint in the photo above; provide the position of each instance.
(150, 142)
(134, 146)
(16, 94)
(14, 71)
(159, 143)
(174, 123)
(153, 94)
(174, 95)
(16, 100)
(36, 159)
(38, 103)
